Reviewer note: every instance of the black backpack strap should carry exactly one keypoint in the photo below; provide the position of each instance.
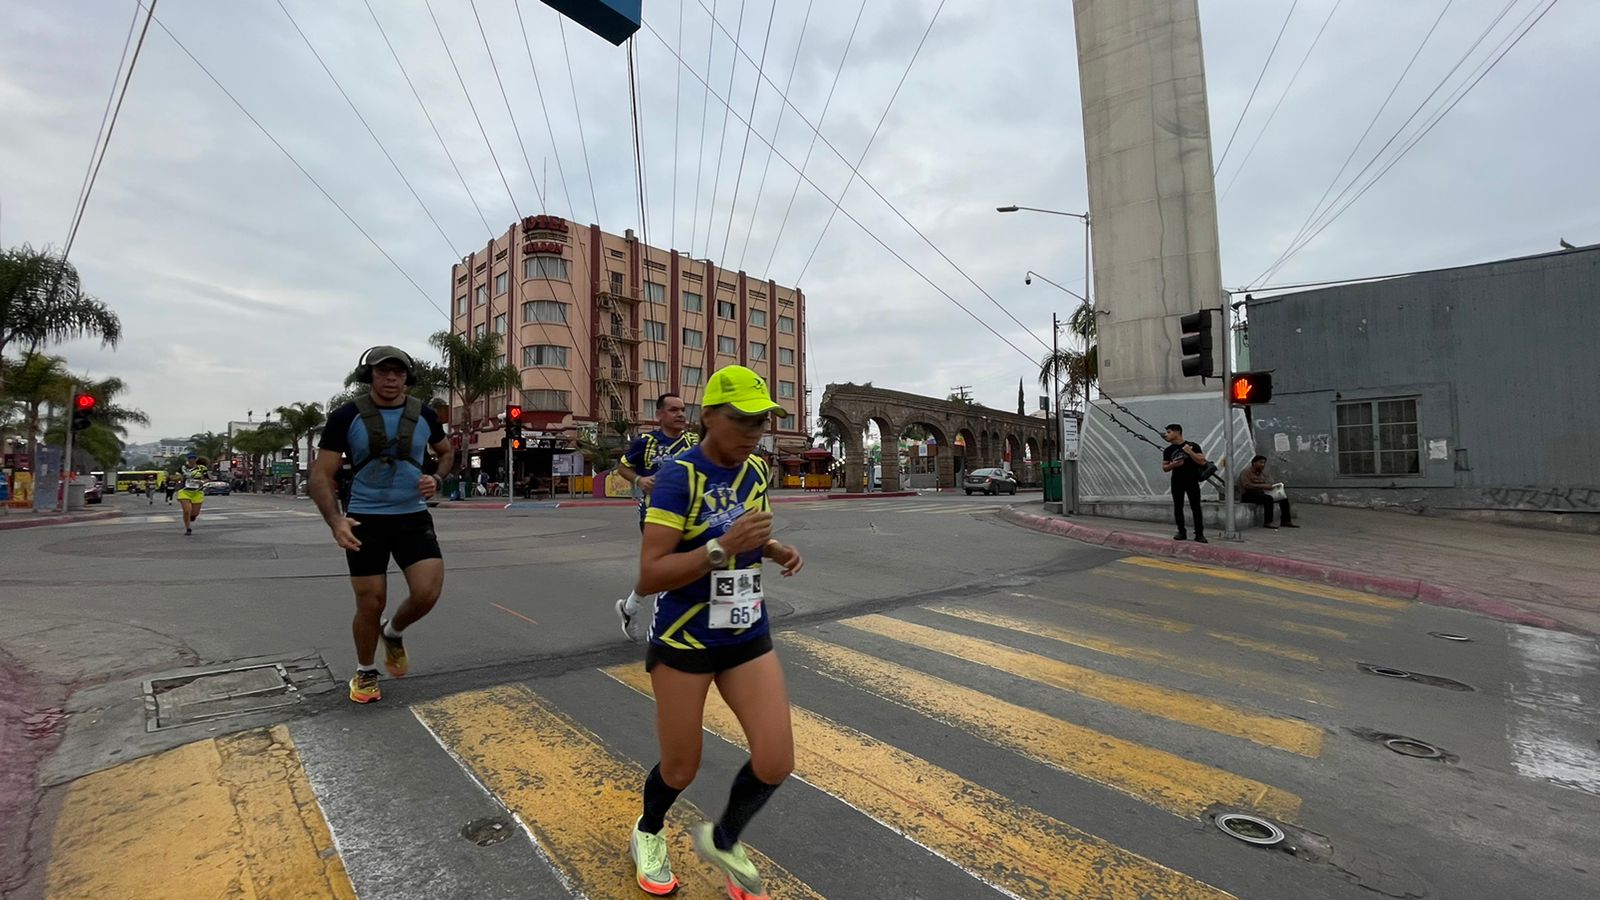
(409, 417)
(378, 441)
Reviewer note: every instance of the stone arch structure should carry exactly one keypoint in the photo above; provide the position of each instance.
(987, 431)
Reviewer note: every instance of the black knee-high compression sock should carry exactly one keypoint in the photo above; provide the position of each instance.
(658, 798)
(745, 799)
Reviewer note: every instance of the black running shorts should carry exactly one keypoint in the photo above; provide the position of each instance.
(409, 538)
(710, 660)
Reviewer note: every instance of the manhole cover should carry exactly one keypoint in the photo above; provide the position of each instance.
(1412, 747)
(217, 693)
(1438, 681)
(1250, 829)
(484, 832)
(1448, 636)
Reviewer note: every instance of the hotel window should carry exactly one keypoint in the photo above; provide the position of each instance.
(544, 311)
(785, 356)
(544, 355)
(502, 283)
(786, 324)
(655, 293)
(758, 318)
(726, 310)
(785, 390)
(547, 401)
(693, 376)
(545, 267)
(693, 302)
(655, 331)
(693, 338)
(727, 346)
(758, 351)
(655, 370)
(482, 295)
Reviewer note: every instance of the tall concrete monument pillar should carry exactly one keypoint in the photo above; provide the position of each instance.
(1153, 222)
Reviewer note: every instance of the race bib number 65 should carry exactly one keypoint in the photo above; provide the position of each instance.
(735, 598)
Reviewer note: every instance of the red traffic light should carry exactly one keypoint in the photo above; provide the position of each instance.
(514, 413)
(84, 402)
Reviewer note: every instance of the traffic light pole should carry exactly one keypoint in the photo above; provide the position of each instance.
(1229, 532)
(64, 491)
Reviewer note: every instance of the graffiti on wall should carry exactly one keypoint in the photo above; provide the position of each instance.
(1547, 499)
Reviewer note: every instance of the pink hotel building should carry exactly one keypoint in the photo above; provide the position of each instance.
(601, 325)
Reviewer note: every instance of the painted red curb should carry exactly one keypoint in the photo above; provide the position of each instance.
(8, 523)
(1354, 579)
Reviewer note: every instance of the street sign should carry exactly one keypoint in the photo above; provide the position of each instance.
(282, 467)
(47, 480)
(568, 464)
(614, 20)
(1069, 435)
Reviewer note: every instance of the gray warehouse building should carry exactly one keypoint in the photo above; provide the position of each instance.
(1470, 391)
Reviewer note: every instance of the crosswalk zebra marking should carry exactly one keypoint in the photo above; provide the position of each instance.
(571, 792)
(1168, 703)
(1163, 780)
(1017, 850)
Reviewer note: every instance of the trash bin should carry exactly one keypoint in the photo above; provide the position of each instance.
(1052, 480)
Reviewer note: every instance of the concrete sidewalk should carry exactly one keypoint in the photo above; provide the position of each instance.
(1547, 579)
(27, 518)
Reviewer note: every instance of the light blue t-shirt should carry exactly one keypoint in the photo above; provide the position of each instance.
(386, 486)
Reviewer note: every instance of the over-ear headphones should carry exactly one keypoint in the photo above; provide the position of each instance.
(364, 367)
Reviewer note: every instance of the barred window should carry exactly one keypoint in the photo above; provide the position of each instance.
(1379, 437)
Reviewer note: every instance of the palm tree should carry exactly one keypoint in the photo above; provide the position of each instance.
(108, 424)
(30, 383)
(476, 368)
(302, 420)
(263, 441)
(1079, 370)
(210, 445)
(42, 301)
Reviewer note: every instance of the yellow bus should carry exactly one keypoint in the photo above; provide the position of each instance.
(134, 482)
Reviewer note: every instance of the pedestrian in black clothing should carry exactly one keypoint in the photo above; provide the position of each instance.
(1187, 463)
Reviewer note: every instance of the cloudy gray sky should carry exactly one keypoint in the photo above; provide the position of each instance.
(241, 287)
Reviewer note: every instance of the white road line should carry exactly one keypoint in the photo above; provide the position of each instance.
(1553, 695)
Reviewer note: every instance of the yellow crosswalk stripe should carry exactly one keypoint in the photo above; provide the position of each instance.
(1268, 647)
(1231, 672)
(1191, 590)
(1326, 592)
(1009, 846)
(1170, 782)
(1167, 703)
(229, 817)
(1179, 627)
(575, 796)
(1321, 631)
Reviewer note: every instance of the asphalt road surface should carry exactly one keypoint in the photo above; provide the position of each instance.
(980, 711)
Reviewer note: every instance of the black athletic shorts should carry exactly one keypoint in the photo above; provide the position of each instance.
(708, 661)
(409, 538)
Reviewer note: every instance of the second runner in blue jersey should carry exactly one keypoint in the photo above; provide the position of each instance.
(640, 466)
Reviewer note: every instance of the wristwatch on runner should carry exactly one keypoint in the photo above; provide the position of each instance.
(715, 554)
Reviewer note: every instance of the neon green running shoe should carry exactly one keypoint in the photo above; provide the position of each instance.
(650, 863)
(744, 882)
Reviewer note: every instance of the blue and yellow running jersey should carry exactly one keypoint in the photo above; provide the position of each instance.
(647, 452)
(701, 500)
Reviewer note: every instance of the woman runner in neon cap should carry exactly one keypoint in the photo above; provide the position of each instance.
(706, 534)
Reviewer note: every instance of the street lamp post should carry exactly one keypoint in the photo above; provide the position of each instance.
(1069, 502)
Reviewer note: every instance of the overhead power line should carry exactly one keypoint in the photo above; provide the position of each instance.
(754, 96)
(818, 135)
(816, 131)
(515, 128)
(425, 114)
(105, 143)
(577, 111)
(100, 130)
(705, 107)
(857, 222)
(1257, 86)
(1281, 97)
(1371, 124)
(1461, 91)
(856, 169)
(296, 163)
(365, 124)
(794, 66)
(722, 138)
(499, 170)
